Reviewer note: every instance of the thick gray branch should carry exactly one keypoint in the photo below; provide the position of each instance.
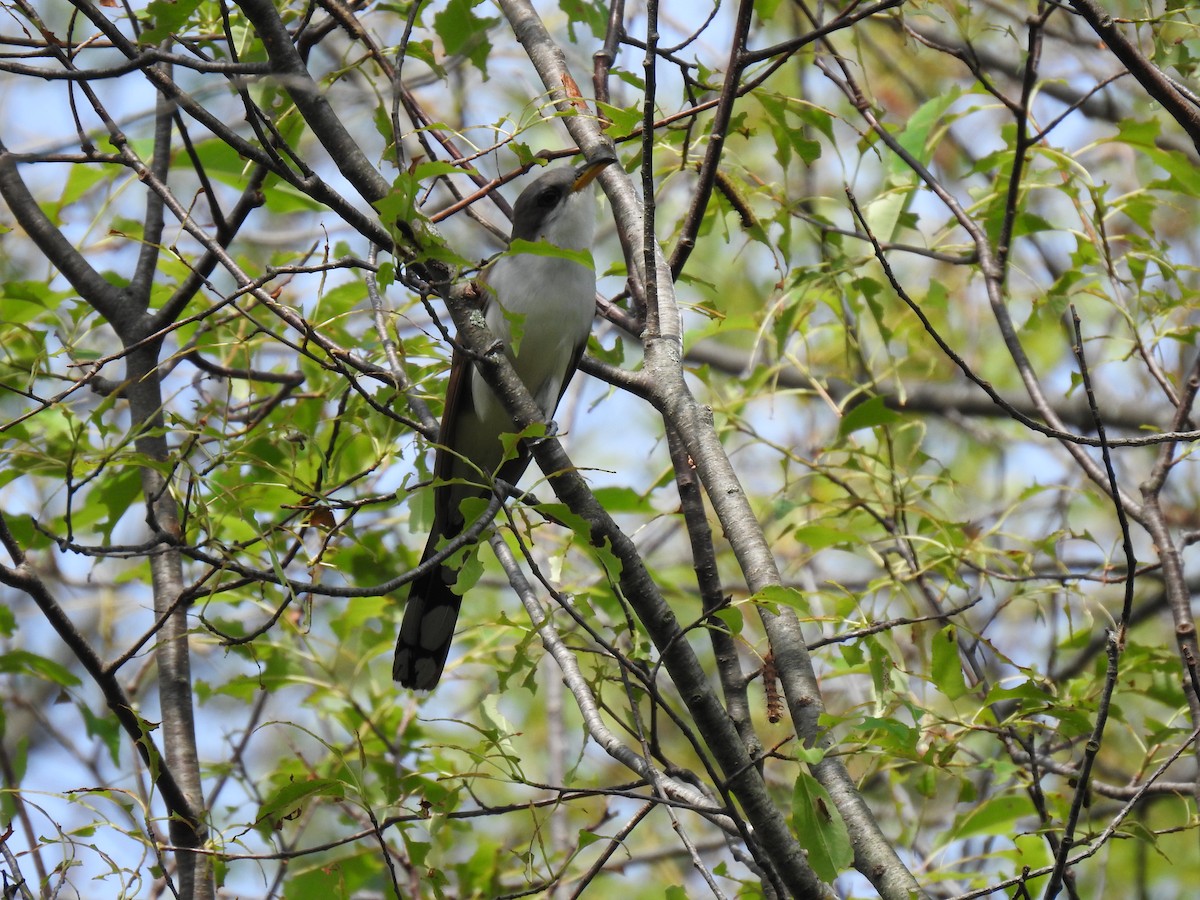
(310, 100)
(108, 299)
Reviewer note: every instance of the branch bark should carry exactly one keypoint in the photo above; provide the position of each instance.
(670, 394)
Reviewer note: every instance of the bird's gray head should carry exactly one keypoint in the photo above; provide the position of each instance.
(559, 207)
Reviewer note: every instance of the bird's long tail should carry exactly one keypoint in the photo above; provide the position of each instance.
(427, 629)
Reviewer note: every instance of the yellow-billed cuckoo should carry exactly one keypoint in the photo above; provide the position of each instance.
(549, 301)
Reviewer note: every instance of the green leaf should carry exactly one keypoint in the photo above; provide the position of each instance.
(106, 728)
(869, 289)
(316, 882)
(516, 327)
(80, 180)
(884, 212)
(603, 553)
(291, 796)
(920, 125)
(400, 205)
(790, 137)
(499, 728)
(435, 168)
(621, 500)
(116, 495)
(947, 669)
(8, 623)
(810, 755)
(615, 356)
(868, 414)
(624, 120)
(999, 815)
(469, 572)
(222, 163)
(817, 537)
(594, 13)
(732, 618)
(168, 17)
(544, 248)
(24, 662)
(892, 735)
(36, 299)
(423, 51)
(778, 595)
(463, 32)
(1183, 176)
(466, 559)
(819, 828)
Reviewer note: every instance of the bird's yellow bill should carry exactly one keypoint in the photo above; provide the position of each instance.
(587, 174)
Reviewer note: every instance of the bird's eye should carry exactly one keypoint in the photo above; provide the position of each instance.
(548, 199)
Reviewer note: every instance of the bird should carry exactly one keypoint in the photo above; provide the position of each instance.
(541, 308)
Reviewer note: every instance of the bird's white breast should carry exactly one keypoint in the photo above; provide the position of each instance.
(542, 309)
